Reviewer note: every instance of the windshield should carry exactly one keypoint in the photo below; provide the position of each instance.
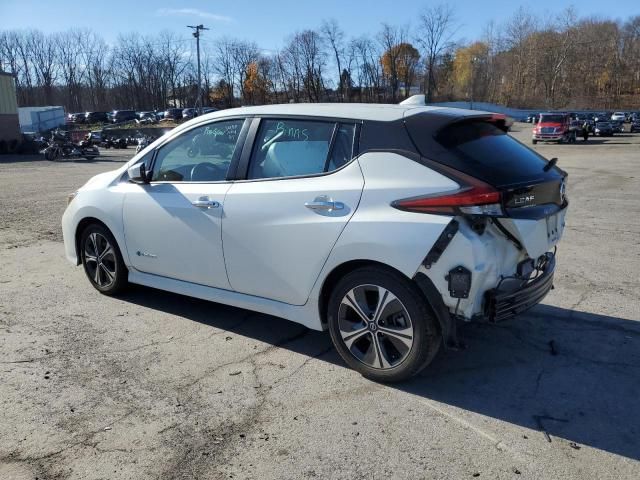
(552, 118)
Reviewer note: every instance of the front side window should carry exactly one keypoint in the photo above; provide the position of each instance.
(289, 148)
(202, 154)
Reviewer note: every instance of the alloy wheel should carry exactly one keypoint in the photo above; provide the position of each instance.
(100, 260)
(375, 326)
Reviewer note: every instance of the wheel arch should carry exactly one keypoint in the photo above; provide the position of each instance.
(425, 286)
(82, 225)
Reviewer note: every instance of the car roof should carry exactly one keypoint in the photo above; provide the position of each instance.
(355, 111)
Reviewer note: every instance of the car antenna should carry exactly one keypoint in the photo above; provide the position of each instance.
(550, 164)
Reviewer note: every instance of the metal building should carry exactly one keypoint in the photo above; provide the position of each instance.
(9, 126)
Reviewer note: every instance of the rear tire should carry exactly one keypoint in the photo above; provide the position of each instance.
(381, 324)
(102, 260)
(534, 142)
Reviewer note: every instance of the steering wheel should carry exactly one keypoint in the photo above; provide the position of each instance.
(207, 172)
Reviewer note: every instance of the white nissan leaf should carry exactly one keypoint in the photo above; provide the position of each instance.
(384, 224)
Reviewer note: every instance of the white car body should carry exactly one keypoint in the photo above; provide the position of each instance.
(259, 248)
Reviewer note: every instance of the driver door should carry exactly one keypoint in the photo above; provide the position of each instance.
(173, 224)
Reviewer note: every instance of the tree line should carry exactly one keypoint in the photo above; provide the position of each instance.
(528, 61)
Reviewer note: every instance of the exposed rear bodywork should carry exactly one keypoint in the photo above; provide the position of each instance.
(502, 252)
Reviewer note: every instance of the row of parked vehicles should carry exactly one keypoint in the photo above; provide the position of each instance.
(566, 127)
(140, 117)
(61, 145)
(625, 117)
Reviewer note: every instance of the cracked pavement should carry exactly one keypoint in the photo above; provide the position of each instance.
(154, 385)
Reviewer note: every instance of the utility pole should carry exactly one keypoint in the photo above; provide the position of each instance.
(474, 60)
(196, 34)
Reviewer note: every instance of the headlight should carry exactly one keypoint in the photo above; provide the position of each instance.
(71, 196)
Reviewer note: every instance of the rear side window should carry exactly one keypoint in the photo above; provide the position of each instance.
(290, 148)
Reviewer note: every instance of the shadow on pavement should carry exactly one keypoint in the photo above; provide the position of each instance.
(567, 374)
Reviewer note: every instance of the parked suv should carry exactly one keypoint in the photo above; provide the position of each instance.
(173, 114)
(119, 116)
(553, 127)
(189, 113)
(384, 224)
(75, 118)
(96, 117)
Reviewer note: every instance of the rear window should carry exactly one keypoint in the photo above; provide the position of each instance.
(480, 149)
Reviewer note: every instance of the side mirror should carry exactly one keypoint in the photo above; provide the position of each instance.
(138, 173)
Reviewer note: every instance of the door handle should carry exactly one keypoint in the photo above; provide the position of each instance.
(324, 203)
(204, 202)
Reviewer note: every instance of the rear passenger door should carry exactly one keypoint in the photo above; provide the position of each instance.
(300, 189)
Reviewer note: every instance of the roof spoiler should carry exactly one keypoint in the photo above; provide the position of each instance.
(500, 120)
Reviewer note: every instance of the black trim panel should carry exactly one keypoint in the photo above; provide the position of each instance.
(441, 244)
(240, 172)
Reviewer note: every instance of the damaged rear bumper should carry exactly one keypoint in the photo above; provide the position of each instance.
(502, 304)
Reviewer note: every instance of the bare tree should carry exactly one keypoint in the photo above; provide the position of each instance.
(390, 38)
(224, 66)
(94, 54)
(69, 53)
(334, 36)
(42, 50)
(436, 30)
(244, 54)
(557, 45)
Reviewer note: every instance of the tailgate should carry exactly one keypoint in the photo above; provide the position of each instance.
(537, 236)
(536, 214)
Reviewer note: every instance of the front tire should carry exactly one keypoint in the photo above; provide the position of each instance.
(381, 325)
(102, 260)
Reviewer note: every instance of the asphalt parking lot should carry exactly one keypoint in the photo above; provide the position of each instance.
(154, 385)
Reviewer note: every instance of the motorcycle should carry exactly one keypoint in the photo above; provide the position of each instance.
(113, 143)
(60, 146)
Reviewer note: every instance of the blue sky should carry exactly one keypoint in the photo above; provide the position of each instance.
(268, 22)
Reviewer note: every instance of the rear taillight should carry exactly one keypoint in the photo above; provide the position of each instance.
(473, 198)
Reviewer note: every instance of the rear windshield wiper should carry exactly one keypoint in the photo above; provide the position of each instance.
(550, 164)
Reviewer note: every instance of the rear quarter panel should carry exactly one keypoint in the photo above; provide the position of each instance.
(379, 232)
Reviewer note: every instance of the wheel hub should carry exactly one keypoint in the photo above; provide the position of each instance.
(375, 326)
(100, 260)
